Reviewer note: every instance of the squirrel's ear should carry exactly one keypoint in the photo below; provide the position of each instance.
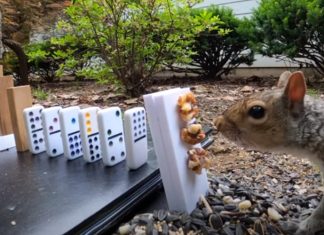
(283, 79)
(296, 87)
(295, 92)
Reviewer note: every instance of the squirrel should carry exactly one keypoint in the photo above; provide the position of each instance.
(283, 120)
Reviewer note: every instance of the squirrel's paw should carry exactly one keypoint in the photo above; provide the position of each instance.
(311, 226)
(289, 227)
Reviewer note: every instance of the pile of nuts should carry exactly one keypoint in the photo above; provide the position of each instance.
(193, 133)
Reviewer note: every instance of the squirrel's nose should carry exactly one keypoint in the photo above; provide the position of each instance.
(219, 122)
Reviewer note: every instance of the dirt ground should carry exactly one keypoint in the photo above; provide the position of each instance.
(277, 176)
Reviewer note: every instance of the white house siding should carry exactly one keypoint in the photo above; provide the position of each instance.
(244, 8)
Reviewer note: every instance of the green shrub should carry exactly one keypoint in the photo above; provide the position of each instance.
(134, 39)
(39, 93)
(218, 53)
(291, 30)
(46, 58)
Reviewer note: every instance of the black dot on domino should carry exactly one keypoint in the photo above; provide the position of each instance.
(92, 158)
(122, 154)
(36, 148)
(109, 132)
(117, 113)
(112, 158)
(120, 139)
(54, 151)
(110, 143)
(98, 155)
(96, 147)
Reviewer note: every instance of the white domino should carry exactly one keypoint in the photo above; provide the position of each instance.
(111, 136)
(52, 131)
(182, 186)
(135, 129)
(90, 134)
(70, 131)
(34, 127)
(7, 141)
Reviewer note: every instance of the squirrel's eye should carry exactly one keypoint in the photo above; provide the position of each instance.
(257, 112)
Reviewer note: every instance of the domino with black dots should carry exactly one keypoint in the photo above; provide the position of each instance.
(112, 135)
(135, 129)
(34, 127)
(90, 134)
(70, 131)
(52, 131)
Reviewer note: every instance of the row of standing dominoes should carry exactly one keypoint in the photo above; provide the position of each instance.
(92, 132)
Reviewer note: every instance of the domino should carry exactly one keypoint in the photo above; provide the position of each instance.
(52, 131)
(34, 128)
(182, 186)
(19, 98)
(5, 121)
(70, 131)
(112, 138)
(135, 137)
(90, 134)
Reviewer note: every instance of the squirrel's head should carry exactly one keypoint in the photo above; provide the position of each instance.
(261, 120)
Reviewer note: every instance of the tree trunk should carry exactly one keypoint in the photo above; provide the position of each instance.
(22, 60)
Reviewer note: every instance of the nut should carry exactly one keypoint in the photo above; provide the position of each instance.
(187, 106)
(194, 129)
(197, 160)
(193, 134)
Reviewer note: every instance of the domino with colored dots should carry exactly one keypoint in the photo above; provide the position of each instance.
(90, 134)
(135, 137)
(34, 128)
(112, 136)
(70, 131)
(52, 131)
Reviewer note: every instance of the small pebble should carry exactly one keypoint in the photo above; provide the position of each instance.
(273, 214)
(227, 199)
(245, 205)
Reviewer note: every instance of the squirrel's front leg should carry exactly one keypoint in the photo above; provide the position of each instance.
(314, 224)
